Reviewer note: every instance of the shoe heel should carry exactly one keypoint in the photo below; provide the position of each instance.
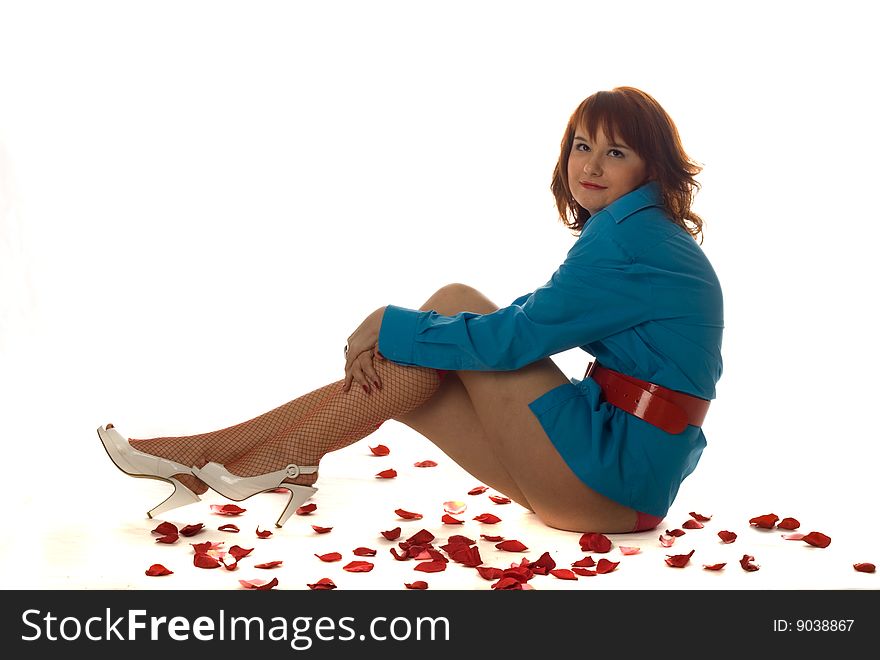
(180, 497)
(298, 495)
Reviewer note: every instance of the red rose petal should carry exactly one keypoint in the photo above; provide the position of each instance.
(229, 527)
(679, 561)
(306, 509)
(468, 556)
(364, 552)
(165, 528)
(727, 537)
(586, 562)
(227, 509)
(507, 583)
(458, 538)
(330, 556)
(493, 539)
(865, 567)
(158, 569)
(168, 538)
(692, 524)
(628, 550)
(232, 566)
(715, 567)
(380, 450)
(746, 563)
(586, 572)
(701, 518)
(264, 534)
(676, 532)
(795, 536)
(666, 540)
(788, 523)
(818, 539)
(323, 584)
(500, 499)
(408, 515)
(487, 518)
(431, 566)
(563, 574)
(478, 490)
(595, 542)
(261, 585)
(767, 521)
(454, 507)
(422, 537)
(511, 546)
(392, 534)
(398, 556)
(418, 584)
(240, 553)
(425, 464)
(191, 530)
(358, 566)
(321, 530)
(269, 564)
(606, 566)
(202, 560)
(449, 520)
(543, 565)
(390, 473)
(488, 573)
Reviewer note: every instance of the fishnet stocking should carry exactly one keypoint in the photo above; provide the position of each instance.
(303, 430)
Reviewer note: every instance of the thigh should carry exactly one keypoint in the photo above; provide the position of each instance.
(448, 419)
(501, 402)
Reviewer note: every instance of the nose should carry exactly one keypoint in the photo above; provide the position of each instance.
(592, 165)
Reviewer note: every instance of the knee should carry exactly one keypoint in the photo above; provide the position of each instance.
(457, 297)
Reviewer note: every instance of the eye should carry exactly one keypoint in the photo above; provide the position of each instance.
(617, 153)
(581, 144)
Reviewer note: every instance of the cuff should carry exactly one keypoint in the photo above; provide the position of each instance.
(397, 334)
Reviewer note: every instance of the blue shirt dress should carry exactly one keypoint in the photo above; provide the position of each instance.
(636, 292)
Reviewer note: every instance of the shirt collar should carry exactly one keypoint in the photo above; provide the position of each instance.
(643, 197)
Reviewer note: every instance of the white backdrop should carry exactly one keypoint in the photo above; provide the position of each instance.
(199, 201)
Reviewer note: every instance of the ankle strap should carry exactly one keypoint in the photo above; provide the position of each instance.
(294, 470)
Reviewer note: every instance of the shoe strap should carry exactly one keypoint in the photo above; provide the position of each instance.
(294, 470)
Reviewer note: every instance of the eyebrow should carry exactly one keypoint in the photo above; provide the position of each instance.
(620, 146)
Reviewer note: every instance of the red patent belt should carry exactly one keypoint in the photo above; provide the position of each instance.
(667, 409)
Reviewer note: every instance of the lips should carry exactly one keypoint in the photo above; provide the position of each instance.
(591, 186)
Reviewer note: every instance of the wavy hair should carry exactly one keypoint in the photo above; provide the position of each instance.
(633, 116)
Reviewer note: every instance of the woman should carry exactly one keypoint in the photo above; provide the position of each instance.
(606, 453)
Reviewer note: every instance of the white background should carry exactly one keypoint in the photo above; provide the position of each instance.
(200, 201)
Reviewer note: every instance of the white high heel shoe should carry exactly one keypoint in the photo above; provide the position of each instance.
(238, 488)
(138, 464)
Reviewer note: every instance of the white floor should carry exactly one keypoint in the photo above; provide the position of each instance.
(90, 532)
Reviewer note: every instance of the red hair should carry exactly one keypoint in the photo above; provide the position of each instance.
(631, 115)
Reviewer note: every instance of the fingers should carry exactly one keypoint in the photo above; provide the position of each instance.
(362, 373)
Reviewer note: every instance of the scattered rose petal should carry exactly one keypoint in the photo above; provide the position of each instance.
(543, 565)
(232, 566)
(392, 534)
(715, 567)
(458, 538)
(380, 450)
(418, 584)
(449, 520)
(478, 490)
(330, 556)
(487, 518)
(323, 584)
(586, 562)
(390, 473)
(563, 574)
(727, 537)
(679, 561)
(865, 567)
(676, 532)
(666, 540)
(165, 529)
(431, 566)
(398, 556)
(269, 564)
(701, 518)
(468, 556)
(191, 530)
(262, 585)
(321, 530)
(628, 550)
(455, 507)
(507, 583)
(358, 566)
(500, 499)
(488, 573)
(306, 509)
(595, 542)
(425, 464)
(767, 521)
(492, 539)
(229, 527)
(794, 536)
(746, 563)
(202, 560)
(264, 534)
(239, 553)
(788, 523)
(168, 538)
(364, 552)
(422, 537)
(818, 539)
(511, 546)
(158, 569)
(586, 572)
(606, 566)
(408, 515)
(692, 524)
(227, 509)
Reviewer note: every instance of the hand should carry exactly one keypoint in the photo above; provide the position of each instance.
(362, 346)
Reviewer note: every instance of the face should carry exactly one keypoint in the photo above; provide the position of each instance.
(603, 169)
